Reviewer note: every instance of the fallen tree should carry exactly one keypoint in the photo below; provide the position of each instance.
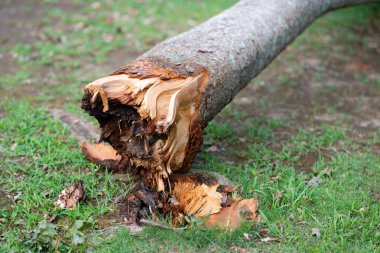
(153, 110)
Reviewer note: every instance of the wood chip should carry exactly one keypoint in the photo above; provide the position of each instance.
(100, 153)
(232, 217)
(69, 197)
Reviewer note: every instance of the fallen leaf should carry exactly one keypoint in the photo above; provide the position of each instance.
(100, 153)
(315, 232)
(231, 217)
(200, 201)
(69, 197)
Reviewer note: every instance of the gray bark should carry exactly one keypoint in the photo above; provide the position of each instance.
(238, 44)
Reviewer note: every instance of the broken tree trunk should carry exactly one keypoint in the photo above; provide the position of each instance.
(153, 110)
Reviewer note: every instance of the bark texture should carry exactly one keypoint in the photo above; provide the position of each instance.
(236, 45)
(169, 94)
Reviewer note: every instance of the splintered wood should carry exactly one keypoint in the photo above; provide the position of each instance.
(231, 217)
(149, 117)
(219, 208)
(189, 197)
(200, 194)
(199, 201)
(146, 120)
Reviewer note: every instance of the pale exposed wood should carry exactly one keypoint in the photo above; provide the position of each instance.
(161, 103)
(233, 216)
(197, 200)
(100, 153)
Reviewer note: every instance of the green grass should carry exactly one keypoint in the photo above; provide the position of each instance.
(39, 158)
(319, 37)
(341, 207)
(9, 81)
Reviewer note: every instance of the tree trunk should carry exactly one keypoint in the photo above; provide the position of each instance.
(153, 110)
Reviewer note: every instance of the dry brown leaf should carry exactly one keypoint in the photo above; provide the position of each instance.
(69, 197)
(231, 217)
(100, 153)
(200, 201)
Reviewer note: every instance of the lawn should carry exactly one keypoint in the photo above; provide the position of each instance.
(303, 137)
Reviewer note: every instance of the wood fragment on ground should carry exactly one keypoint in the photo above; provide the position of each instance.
(101, 153)
(71, 196)
(233, 216)
(198, 201)
(191, 196)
